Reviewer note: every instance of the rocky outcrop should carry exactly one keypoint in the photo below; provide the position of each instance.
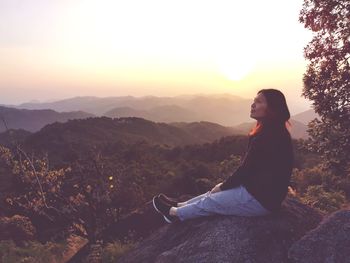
(138, 224)
(135, 226)
(328, 242)
(228, 238)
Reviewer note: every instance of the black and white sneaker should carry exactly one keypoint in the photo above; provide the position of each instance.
(163, 208)
(168, 200)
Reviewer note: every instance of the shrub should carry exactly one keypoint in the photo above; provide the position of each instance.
(18, 228)
(112, 251)
(317, 197)
(31, 252)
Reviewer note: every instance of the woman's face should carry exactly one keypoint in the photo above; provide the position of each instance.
(259, 107)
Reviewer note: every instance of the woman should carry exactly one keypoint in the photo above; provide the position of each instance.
(260, 184)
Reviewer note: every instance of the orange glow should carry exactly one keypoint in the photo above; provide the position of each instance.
(135, 47)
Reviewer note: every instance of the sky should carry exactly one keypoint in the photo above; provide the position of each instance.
(51, 50)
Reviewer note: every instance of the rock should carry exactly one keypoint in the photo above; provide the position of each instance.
(138, 224)
(74, 243)
(224, 238)
(328, 242)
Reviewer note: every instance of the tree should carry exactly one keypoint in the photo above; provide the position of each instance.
(83, 198)
(327, 80)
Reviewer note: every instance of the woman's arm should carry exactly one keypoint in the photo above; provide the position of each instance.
(255, 149)
(233, 180)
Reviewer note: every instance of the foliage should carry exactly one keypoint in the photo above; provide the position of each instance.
(317, 197)
(80, 198)
(102, 185)
(303, 157)
(320, 188)
(112, 251)
(327, 80)
(107, 189)
(318, 175)
(37, 191)
(104, 182)
(230, 164)
(32, 252)
(17, 228)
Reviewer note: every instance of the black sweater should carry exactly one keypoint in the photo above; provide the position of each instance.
(266, 168)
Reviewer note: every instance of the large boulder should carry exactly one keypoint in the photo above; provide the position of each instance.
(138, 224)
(328, 242)
(223, 238)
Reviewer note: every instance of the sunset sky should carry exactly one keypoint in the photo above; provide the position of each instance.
(52, 50)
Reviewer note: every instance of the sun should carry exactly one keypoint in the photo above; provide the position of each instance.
(235, 70)
(234, 67)
(235, 58)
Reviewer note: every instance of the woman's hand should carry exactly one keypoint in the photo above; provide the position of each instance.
(216, 188)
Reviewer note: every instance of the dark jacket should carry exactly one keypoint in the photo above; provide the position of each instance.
(266, 168)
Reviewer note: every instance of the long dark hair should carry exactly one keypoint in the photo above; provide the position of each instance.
(277, 112)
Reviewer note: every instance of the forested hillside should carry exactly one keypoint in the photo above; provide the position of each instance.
(81, 176)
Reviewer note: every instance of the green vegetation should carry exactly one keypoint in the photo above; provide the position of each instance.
(97, 184)
(327, 81)
(31, 252)
(112, 251)
(105, 183)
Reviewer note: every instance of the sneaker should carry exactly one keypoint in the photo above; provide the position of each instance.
(163, 208)
(169, 200)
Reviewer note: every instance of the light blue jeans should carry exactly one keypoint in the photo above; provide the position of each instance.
(235, 201)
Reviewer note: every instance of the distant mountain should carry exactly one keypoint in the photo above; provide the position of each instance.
(298, 129)
(224, 109)
(127, 112)
(66, 141)
(206, 130)
(306, 116)
(9, 105)
(130, 129)
(34, 120)
(299, 124)
(166, 113)
(90, 104)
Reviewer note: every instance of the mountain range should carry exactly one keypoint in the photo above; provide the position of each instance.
(220, 112)
(34, 120)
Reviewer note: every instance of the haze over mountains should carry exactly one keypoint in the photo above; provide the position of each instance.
(34, 120)
(217, 112)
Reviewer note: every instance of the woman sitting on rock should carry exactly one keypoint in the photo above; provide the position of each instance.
(260, 184)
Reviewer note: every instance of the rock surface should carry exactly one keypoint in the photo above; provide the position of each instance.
(228, 238)
(328, 242)
(140, 223)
